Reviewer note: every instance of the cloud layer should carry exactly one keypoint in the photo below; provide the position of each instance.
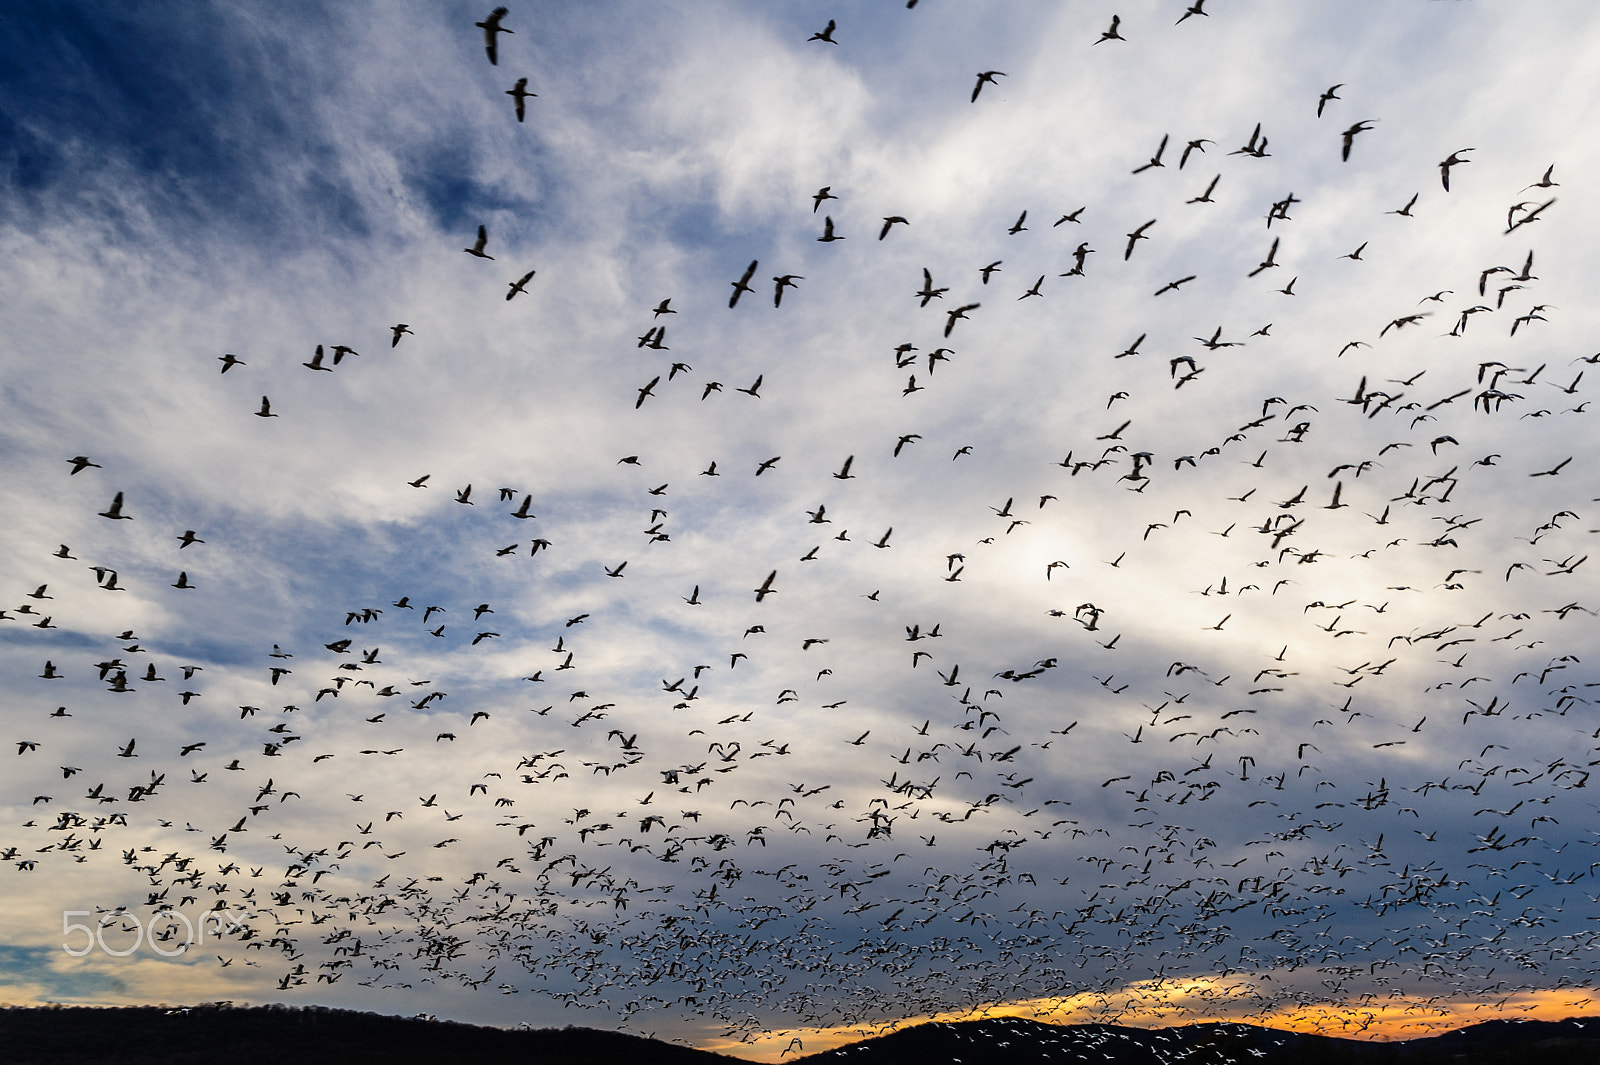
(1205, 606)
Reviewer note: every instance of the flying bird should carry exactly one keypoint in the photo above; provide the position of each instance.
(986, 77)
(477, 247)
(646, 391)
(741, 286)
(1454, 160)
(1155, 160)
(1136, 236)
(1197, 145)
(520, 285)
(1545, 182)
(1350, 136)
(786, 281)
(1112, 34)
(490, 27)
(114, 511)
(959, 312)
(519, 94)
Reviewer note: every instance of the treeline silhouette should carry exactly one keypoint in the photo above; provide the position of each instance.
(311, 1035)
(315, 1035)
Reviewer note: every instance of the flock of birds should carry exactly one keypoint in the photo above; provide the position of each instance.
(970, 858)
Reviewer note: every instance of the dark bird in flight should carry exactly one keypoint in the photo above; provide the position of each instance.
(1112, 34)
(1172, 286)
(824, 193)
(959, 312)
(1136, 236)
(1268, 262)
(889, 222)
(645, 391)
(1256, 145)
(491, 26)
(828, 235)
(229, 362)
(1079, 254)
(1545, 182)
(114, 511)
(1191, 10)
(986, 76)
(519, 94)
(1350, 136)
(1193, 146)
(766, 588)
(1453, 160)
(741, 286)
(81, 463)
(928, 291)
(1322, 101)
(477, 247)
(1155, 160)
(786, 281)
(1405, 212)
(824, 35)
(520, 285)
(1205, 197)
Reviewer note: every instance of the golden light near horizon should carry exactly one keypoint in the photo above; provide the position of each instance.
(1370, 1018)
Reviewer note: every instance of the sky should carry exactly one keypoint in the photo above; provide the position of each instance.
(1135, 573)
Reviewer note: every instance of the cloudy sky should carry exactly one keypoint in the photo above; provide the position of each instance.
(1173, 522)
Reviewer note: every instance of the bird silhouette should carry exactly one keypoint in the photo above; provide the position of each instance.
(491, 30)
